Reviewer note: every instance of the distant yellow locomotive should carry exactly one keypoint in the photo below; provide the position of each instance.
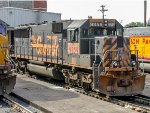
(91, 54)
(7, 79)
(142, 44)
(140, 41)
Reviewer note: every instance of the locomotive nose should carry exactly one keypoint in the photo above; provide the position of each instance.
(120, 84)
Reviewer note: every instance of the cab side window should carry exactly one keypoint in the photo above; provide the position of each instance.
(74, 35)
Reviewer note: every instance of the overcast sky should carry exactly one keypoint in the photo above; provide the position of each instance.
(122, 10)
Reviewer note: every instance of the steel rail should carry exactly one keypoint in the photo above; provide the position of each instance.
(15, 105)
(142, 99)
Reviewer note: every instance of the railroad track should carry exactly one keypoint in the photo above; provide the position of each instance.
(135, 104)
(139, 103)
(142, 99)
(18, 106)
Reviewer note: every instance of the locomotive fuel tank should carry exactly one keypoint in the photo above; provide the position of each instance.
(37, 68)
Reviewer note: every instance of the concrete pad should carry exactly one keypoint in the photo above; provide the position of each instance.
(147, 86)
(60, 100)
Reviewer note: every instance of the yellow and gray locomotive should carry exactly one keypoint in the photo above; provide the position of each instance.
(7, 79)
(90, 53)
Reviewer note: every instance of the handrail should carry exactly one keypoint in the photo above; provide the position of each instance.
(105, 53)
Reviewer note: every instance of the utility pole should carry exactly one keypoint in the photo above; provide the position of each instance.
(145, 12)
(8, 3)
(103, 10)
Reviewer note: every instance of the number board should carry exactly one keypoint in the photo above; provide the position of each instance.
(73, 48)
(100, 24)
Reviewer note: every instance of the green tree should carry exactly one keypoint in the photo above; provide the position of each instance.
(135, 24)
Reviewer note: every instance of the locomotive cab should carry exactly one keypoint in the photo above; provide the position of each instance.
(100, 44)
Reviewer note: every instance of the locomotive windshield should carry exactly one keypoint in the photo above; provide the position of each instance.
(91, 28)
(101, 32)
(100, 27)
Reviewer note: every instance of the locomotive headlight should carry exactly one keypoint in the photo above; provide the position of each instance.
(5, 71)
(115, 64)
(133, 63)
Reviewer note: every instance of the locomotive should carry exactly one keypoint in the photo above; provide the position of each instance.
(89, 53)
(140, 40)
(7, 78)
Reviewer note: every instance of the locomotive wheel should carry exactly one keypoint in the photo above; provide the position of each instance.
(79, 83)
(86, 86)
(72, 82)
(67, 80)
(21, 67)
